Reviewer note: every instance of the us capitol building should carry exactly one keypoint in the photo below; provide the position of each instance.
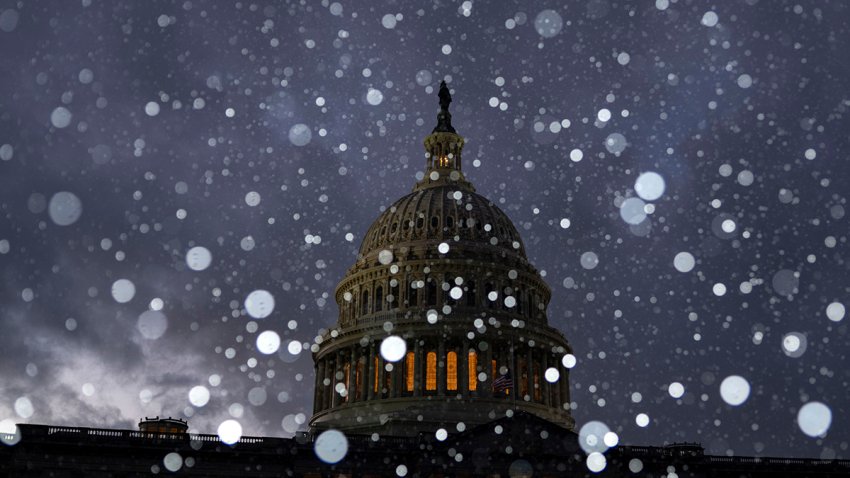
(444, 270)
(442, 364)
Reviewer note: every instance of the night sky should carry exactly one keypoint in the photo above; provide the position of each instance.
(272, 134)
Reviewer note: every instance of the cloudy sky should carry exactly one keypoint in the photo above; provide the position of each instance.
(271, 134)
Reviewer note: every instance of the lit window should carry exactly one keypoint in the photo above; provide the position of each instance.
(451, 369)
(410, 365)
(431, 376)
(375, 368)
(473, 374)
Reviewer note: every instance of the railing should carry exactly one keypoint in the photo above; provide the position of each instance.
(130, 434)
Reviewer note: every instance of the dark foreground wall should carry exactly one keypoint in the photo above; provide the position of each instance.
(519, 446)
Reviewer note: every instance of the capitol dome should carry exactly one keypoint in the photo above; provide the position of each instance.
(442, 319)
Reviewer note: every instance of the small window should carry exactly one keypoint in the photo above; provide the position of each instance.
(434, 222)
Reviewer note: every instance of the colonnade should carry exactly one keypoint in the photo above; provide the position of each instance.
(356, 373)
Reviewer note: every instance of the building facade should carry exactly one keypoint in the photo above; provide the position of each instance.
(444, 273)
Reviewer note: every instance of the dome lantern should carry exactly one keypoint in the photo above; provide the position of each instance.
(443, 149)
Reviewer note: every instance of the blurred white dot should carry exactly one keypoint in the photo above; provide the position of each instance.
(152, 324)
(374, 97)
(60, 117)
(388, 21)
(300, 134)
(568, 361)
(252, 198)
(684, 262)
(401, 470)
(230, 431)
(676, 390)
(259, 304)
(814, 419)
(441, 434)
(552, 375)
(294, 347)
(385, 256)
(23, 407)
(173, 461)
(589, 260)
(565, 223)
(649, 186)
(393, 348)
(199, 396)
(596, 462)
(443, 248)
(835, 311)
(576, 155)
(88, 389)
(719, 289)
(709, 19)
(152, 108)
(268, 342)
(123, 291)
(734, 390)
(603, 115)
(331, 446)
(642, 420)
(198, 258)
(65, 208)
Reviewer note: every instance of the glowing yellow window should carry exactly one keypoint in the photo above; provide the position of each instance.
(431, 375)
(410, 366)
(473, 374)
(451, 369)
(377, 374)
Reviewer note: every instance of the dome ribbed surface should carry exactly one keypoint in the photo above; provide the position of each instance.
(440, 214)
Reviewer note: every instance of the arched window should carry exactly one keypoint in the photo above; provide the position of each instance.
(394, 294)
(379, 299)
(431, 371)
(451, 370)
(473, 372)
(412, 294)
(537, 394)
(431, 289)
(470, 294)
(410, 370)
(364, 303)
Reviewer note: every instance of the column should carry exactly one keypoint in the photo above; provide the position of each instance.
(544, 364)
(530, 365)
(441, 367)
(329, 373)
(370, 367)
(463, 370)
(352, 374)
(337, 366)
(363, 359)
(382, 376)
(417, 369)
(320, 386)
(514, 372)
(487, 389)
(395, 378)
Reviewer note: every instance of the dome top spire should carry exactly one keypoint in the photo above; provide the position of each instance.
(444, 118)
(443, 150)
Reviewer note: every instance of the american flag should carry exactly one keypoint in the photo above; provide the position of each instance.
(503, 383)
